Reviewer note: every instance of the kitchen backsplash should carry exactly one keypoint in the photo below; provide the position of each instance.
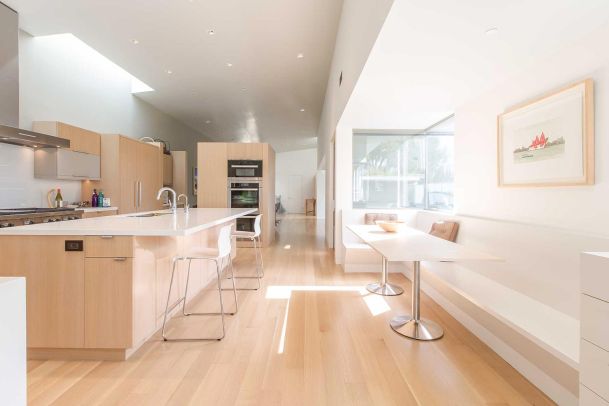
(19, 188)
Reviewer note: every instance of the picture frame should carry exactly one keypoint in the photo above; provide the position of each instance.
(549, 141)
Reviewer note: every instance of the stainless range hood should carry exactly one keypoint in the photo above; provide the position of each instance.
(16, 136)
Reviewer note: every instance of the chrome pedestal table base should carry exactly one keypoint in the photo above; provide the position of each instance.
(384, 288)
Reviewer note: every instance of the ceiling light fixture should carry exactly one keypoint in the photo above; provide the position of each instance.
(302, 110)
(169, 71)
(491, 31)
(207, 121)
(211, 32)
(228, 64)
(243, 89)
(300, 56)
(135, 41)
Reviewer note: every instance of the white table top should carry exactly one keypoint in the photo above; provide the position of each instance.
(180, 224)
(410, 244)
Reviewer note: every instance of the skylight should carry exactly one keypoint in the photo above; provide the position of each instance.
(87, 55)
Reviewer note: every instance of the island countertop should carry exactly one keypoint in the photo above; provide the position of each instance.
(137, 224)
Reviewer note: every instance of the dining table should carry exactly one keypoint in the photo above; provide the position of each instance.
(410, 244)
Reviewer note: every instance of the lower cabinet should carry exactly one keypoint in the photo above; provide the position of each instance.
(108, 302)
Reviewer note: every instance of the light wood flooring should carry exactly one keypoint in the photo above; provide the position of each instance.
(310, 336)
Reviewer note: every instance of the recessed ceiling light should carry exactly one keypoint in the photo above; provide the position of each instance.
(228, 64)
(302, 110)
(135, 41)
(207, 121)
(243, 89)
(169, 71)
(491, 31)
(211, 32)
(300, 56)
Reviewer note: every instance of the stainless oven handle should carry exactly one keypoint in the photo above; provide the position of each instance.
(246, 190)
(244, 166)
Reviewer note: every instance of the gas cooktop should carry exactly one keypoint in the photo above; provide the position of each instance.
(33, 210)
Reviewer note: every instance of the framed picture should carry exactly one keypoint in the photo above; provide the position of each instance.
(549, 141)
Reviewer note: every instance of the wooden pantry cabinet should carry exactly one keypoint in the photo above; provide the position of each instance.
(212, 161)
(81, 140)
(130, 174)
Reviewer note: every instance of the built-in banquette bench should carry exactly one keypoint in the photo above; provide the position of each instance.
(526, 307)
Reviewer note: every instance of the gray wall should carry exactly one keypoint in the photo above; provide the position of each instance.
(9, 67)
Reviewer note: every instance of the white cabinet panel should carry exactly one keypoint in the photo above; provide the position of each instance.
(594, 368)
(589, 398)
(595, 321)
(595, 275)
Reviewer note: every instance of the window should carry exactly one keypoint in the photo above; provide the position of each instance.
(399, 171)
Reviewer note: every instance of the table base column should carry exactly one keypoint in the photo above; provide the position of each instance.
(414, 326)
(385, 288)
(422, 329)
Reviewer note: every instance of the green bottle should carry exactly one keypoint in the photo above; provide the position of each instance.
(100, 199)
(58, 198)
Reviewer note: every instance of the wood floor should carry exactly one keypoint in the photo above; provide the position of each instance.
(310, 336)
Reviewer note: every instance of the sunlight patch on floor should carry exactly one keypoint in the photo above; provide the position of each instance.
(376, 304)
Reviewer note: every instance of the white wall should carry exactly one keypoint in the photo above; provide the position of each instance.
(359, 26)
(289, 167)
(62, 79)
(320, 193)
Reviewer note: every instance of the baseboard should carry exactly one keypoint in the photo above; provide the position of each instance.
(562, 387)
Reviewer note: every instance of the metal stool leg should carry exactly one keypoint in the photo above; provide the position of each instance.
(168, 309)
(258, 267)
(259, 247)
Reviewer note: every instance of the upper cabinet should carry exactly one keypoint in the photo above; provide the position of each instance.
(131, 174)
(245, 150)
(79, 162)
(81, 140)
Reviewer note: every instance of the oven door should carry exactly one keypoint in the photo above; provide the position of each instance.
(244, 198)
(244, 169)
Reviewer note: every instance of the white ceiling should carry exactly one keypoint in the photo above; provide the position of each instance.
(431, 56)
(259, 98)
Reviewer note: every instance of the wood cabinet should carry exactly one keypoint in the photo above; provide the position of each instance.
(167, 170)
(213, 174)
(212, 161)
(102, 213)
(245, 150)
(54, 280)
(130, 174)
(81, 140)
(108, 302)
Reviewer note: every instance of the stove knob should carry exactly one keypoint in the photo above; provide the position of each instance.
(27, 222)
(3, 225)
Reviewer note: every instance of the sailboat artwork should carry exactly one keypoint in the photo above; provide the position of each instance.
(540, 148)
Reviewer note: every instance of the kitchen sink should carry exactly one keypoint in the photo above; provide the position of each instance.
(155, 214)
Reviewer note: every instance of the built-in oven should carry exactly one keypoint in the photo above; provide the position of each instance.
(245, 169)
(245, 194)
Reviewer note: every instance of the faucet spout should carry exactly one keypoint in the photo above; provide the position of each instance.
(174, 201)
(186, 206)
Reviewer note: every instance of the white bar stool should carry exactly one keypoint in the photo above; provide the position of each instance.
(253, 236)
(219, 255)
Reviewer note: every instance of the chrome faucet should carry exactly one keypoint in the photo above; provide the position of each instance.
(174, 202)
(186, 206)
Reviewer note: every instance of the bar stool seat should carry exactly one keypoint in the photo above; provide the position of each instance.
(254, 236)
(222, 258)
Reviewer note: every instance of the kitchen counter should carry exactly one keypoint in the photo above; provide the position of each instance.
(95, 209)
(97, 287)
(166, 224)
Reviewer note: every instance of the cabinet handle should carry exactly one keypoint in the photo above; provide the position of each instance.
(106, 237)
(135, 195)
(140, 194)
(121, 259)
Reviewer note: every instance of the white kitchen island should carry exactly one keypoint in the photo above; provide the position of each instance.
(96, 288)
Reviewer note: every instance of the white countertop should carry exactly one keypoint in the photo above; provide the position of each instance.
(96, 209)
(410, 244)
(179, 224)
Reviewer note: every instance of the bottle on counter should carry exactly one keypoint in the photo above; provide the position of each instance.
(58, 198)
(94, 198)
(100, 199)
